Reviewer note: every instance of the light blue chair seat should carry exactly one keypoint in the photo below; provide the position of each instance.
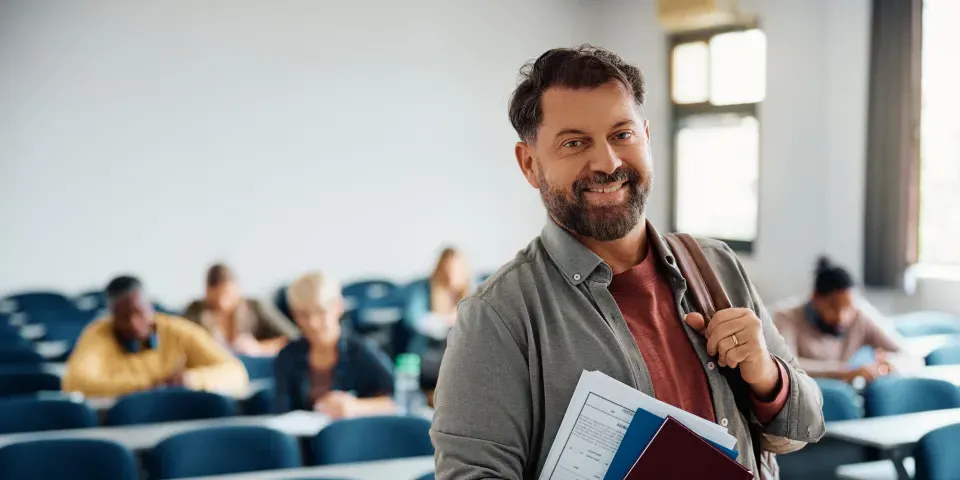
(840, 401)
(949, 355)
(937, 455)
(917, 324)
(897, 395)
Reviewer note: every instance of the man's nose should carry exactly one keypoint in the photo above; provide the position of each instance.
(605, 159)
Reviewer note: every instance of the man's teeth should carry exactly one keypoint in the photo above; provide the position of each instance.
(606, 190)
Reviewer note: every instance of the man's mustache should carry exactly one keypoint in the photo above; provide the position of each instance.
(621, 174)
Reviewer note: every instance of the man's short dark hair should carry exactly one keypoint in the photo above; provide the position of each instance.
(121, 286)
(218, 275)
(585, 66)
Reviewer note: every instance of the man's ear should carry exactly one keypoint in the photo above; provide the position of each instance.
(525, 160)
(646, 128)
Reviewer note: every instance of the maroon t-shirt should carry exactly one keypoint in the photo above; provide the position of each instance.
(646, 301)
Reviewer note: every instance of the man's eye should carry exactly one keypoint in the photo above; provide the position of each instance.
(623, 135)
(573, 144)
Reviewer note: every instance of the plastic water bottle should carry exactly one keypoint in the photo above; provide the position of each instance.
(406, 390)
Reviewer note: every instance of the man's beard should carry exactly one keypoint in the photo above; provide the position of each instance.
(599, 222)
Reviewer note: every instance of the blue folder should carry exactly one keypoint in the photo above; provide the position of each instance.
(641, 431)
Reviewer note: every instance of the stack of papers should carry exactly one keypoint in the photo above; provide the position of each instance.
(597, 418)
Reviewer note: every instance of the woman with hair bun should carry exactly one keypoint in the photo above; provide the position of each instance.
(829, 327)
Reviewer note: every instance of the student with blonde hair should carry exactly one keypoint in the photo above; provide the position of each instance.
(432, 310)
(328, 369)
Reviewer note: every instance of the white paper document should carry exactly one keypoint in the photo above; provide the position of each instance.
(597, 418)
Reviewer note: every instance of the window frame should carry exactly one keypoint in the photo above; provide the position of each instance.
(679, 112)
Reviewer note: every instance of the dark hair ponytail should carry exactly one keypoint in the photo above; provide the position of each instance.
(830, 278)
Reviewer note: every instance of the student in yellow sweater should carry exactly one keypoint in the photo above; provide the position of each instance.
(136, 349)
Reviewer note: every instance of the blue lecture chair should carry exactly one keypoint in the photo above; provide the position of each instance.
(221, 451)
(19, 356)
(27, 383)
(35, 302)
(371, 438)
(840, 401)
(949, 355)
(936, 454)
(29, 414)
(258, 368)
(260, 403)
(918, 324)
(74, 459)
(91, 301)
(897, 395)
(372, 291)
(169, 405)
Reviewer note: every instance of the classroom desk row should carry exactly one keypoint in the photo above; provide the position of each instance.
(895, 436)
(102, 404)
(400, 469)
(146, 436)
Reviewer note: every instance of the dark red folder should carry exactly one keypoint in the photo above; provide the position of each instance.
(677, 453)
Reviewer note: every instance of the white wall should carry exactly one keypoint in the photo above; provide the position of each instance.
(359, 137)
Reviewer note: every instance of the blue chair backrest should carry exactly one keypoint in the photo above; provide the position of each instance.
(65, 331)
(258, 368)
(371, 438)
(369, 293)
(26, 383)
(34, 302)
(949, 355)
(897, 395)
(936, 454)
(19, 355)
(280, 300)
(91, 301)
(25, 414)
(917, 324)
(73, 459)
(429, 476)
(169, 405)
(840, 401)
(260, 403)
(221, 451)
(14, 342)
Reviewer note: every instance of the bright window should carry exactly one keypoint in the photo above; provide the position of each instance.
(940, 135)
(717, 80)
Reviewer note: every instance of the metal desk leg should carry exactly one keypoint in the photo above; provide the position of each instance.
(896, 456)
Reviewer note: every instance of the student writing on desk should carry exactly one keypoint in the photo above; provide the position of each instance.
(137, 349)
(827, 329)
(329, 370)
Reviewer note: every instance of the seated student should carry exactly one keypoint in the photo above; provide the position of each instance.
(247, 326)
(826, 330)
(432, 310)
(136, 349)
(329, 370)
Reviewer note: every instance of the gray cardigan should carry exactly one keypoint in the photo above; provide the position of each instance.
(520, 343)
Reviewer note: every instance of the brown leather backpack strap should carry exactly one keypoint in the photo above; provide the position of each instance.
(691, 272)
(720, 299)
(709, 296)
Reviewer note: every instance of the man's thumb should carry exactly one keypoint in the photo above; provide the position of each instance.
(696, 321)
